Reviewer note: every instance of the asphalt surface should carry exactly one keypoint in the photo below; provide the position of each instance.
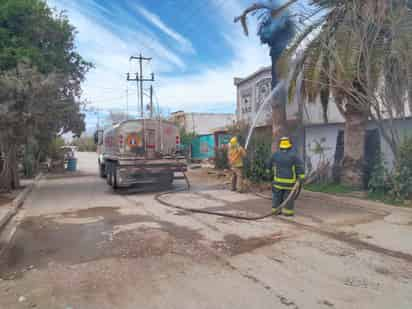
(78, 244)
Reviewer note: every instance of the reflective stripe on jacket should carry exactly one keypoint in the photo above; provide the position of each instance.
(287, 167)
(236, 154)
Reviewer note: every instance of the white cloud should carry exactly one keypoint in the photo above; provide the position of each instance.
(155, 20)
(109, 45)
(216, 85)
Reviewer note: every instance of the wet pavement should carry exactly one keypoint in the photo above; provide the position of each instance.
(78, 244)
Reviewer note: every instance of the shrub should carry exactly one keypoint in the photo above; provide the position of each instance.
(402, 176)
(54, 148)
(255, 163)
(398, 183)
(221, 160)
(85, 144)
(378, 182)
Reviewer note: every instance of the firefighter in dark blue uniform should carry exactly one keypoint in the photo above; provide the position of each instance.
(287, 169)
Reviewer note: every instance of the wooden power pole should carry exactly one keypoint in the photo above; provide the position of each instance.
(140, 79)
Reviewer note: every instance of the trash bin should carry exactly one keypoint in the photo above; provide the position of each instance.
(71, 165)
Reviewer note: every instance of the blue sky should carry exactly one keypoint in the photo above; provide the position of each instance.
(196, 48)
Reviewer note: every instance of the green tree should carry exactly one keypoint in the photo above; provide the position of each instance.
(276, 29)
(40, 80)
(358, 51)
(85, 144)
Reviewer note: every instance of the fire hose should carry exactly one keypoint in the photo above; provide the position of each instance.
(294, 194)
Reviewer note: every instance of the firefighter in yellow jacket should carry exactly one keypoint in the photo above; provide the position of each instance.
(287, 169)
(236, 155)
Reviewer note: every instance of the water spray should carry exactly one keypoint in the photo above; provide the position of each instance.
(268, 99)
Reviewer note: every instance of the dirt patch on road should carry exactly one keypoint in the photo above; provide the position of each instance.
(5, 200)
(254, 207)
(41, 240)
(235, 245)
(55, 176)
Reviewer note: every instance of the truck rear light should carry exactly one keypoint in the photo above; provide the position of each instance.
(177, 140)
(121, 140)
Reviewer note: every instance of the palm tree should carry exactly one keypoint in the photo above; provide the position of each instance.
(275, 29)
(358, 50)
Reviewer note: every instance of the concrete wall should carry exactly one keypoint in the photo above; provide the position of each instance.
(327, 135)
(253, 90)
(203, 123)
(251, 93)
(313, 113)
(404, 128)
(206, 123)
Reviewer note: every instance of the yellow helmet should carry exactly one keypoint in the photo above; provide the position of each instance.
(285, 143)
(233, 141)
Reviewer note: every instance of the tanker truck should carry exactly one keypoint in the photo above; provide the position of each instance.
(140, 151)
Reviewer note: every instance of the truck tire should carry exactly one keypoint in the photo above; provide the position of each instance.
(166, 179)
(114, 176)
(102, 170)
(109, 176)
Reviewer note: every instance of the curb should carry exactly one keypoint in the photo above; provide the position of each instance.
(18, 202)
(356, 201)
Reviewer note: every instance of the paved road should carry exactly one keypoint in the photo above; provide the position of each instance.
(79, 245)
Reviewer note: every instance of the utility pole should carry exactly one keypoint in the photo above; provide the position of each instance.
(139, 79)
(127, 103)
(151, 101)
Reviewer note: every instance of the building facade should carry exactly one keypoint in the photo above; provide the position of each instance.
(202, 123)
(252, 91)
(318, 142)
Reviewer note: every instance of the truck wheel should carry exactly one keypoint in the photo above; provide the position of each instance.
(166, 179)
(114, 176)
(171, 179)
(109, 179)
(102, 171)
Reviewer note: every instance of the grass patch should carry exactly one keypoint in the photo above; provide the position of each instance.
(387, 199)
(338, 189)
(331, 188)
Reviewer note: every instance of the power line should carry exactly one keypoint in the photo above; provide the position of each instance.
(140, 79)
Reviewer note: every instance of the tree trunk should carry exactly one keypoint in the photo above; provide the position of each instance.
(279, 124)
(410, 89)
(279, 119)
(324, 100)
(13, 167)
(9, 177)
(354, 148)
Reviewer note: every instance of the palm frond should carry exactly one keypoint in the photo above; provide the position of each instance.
(274, 12)
(291, 50)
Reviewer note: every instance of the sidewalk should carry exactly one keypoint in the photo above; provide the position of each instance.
(9, 210)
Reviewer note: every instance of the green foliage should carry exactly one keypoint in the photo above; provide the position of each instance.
(397, 184)
(378, 184)
(40, 76)
(31, 31)
(221, 159)
(255, 162)
(402, 177)
(331, 188)
(54, 149)
(348, 52)
(29, 161)
(85, 144)
(186, 138)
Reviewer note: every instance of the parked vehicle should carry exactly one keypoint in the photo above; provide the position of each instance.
(140, 151)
